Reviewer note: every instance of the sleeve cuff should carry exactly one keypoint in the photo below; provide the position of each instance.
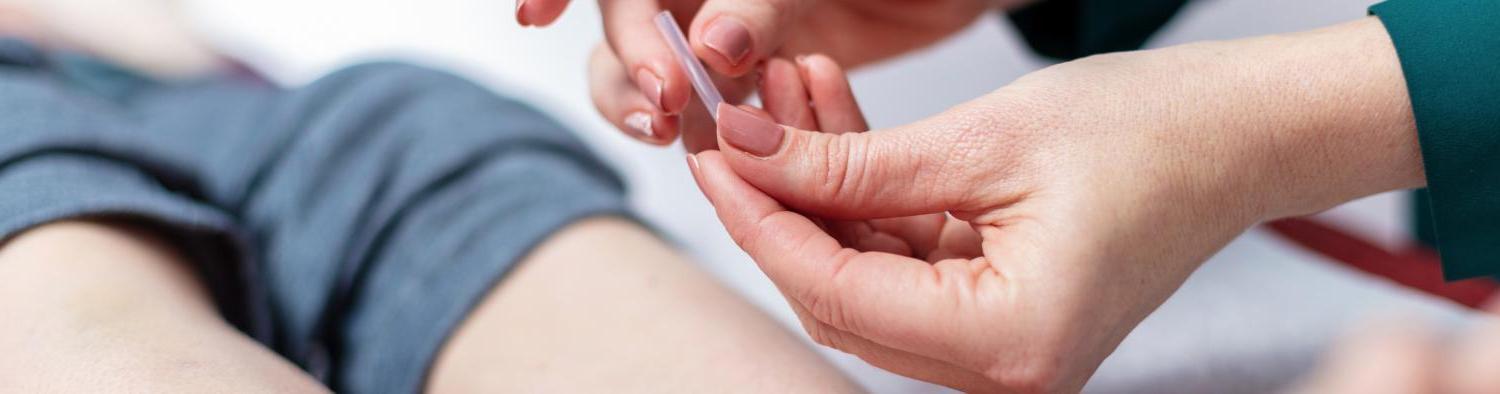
(1450, 56)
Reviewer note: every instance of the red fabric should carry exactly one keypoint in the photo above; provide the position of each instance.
(1417, 267)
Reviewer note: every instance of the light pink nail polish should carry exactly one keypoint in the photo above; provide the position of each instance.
(641, 123)
(651, 86)
(729, 38)
(753, 134)
(694, 169)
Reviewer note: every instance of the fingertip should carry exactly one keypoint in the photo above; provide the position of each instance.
(820, 67)
(734, 35)
(729, 194)
(725, 43)
(775, 238)
(539, 13)
(669, 127)
(692, 162)
(750, 130)
(665, 85)
(785, 95)
(521, 13)
(652, 128)
(778, 71)
(832, 96)
(729, 190)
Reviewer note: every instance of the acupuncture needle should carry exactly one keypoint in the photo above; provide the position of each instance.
(701, 81)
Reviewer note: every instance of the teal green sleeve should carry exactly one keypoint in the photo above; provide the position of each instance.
(1070, 29)
(1450, 55)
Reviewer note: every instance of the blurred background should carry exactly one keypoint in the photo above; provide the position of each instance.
(1253, 319)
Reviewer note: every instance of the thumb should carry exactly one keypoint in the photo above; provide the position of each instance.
(904, 171)
(733, 36)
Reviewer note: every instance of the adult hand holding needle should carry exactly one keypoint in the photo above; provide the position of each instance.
(636, 82)
(1064, 227)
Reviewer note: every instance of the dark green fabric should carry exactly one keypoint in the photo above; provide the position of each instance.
(1450, 54)
(1423, 228)
(1070, 29)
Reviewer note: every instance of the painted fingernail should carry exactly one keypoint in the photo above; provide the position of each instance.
(729, 38)
(521, 16)
(692, 161)
(750, 133)
(640, 122)
(651, 85)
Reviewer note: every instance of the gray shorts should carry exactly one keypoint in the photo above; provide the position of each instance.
(350, 225)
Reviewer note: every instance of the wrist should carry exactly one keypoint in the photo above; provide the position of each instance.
(1325, 116)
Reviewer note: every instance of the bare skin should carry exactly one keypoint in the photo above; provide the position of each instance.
(633, 74)
(602, 306)
(92, 307)
(606, 306)
(1077, 199)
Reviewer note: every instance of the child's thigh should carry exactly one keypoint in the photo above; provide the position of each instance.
(604, 306)
(91, 307)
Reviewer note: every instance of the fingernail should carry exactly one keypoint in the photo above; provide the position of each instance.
(641, 123)
(520, 16)
(651, 85)
(729, 38)
(692, 161)
(749, 132)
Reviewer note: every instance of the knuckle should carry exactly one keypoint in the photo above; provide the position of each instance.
(971, 140)
(821, 335)
(995, 144)
(860, 170)
(750, 235)
(825, 303)
(842, 172)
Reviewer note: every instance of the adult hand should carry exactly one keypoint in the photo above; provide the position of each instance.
(1094, 188)
(638, 86)
(813, 94)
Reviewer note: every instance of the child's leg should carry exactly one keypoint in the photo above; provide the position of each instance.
(94, 307)
(604, 306)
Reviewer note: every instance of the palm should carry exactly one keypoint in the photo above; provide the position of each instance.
(930, 238)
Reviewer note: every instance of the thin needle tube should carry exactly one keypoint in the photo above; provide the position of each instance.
(699, 76)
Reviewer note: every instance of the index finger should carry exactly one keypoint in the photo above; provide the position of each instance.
(630, 29)
(880, 296)
(539, 12)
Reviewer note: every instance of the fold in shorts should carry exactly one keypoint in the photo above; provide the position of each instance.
(350, 225)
